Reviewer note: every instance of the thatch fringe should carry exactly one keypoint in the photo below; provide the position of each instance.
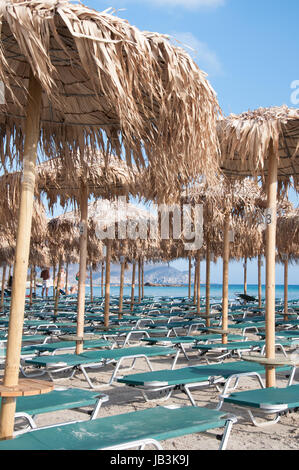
(107, 87)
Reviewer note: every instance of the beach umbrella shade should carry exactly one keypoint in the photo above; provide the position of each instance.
(265, 143)
(287, 242)
(76, 79)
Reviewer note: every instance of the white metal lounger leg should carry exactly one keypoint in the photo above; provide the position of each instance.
(226, 434)
(32, 374)
(30, 420)
(98, 405)
(165, 398)
(291, 378)
(237, 378)
(140, 444)
(189, 395)
(186, 389)
(175, 359)
(262, 424)
(118, 364)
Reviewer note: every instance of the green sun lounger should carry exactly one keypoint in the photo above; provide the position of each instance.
(167, 381)
(126, 431)
(181, 341)
(289, 334)
(98, 359)
(230, 349)
(57, 400)
(267, 401)
(61, 345)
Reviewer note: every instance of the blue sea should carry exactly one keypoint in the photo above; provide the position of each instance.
(216, 291)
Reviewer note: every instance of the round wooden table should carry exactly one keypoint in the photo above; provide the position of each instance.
(25, 388)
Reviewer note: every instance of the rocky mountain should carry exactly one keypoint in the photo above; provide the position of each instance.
(153, 273)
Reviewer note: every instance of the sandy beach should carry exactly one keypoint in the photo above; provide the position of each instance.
(244, 436)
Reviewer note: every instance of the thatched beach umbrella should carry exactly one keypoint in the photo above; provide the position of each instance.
(264, 142)
(74, 78)
(229, 200)
(287, 242)
(126, 228)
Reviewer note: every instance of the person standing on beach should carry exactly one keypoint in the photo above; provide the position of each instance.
(45, 275)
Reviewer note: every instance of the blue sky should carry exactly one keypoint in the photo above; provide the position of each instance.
(249, 48)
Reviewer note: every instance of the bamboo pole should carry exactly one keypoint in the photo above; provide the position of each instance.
(102, 280)
(34, 280)
(82, 266)
(139, 280)
(121, 287)
(142, 278)
(286, 281)
(198, 281)
(54, 275)
(259, 264)
(270, 267)
(225, 276)
(58, 287)
(31, 286)
(189, 280)
(133, 284)
(90, 282)
(15, 330)
(66, 278)
(245, 276)
(107, 284)
(195, 283)
(208, 281)
(3, 286)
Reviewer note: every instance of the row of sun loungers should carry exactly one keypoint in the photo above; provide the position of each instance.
(156, 338)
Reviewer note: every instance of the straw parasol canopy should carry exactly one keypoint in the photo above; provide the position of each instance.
(287, 233)
(83, 81)
(105, 86)
(265, 143)
(247, 139)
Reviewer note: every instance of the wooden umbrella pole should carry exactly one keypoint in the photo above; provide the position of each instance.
(102, 280)
(139, 280)
(58, 287)
(259, 264)
(245, 276)
(66, 278)
(195, 282)
(107, 284)
(133, 285)
(286, 281)
(142, 279)
(225, 276)
(16, 319)
(121, 288)
(208, 280)
(82, 266)
(198, 281)
(90, 283)
(3, 286)
(189, 280)
(34, 280)
(270, 267)
(31, 286)
(54, 274)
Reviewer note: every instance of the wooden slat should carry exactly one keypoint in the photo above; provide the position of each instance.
(26, 387)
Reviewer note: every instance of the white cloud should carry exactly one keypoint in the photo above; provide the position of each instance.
(206, 59)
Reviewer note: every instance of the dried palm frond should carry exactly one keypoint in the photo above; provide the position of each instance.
(106, 87)
(246, 141)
